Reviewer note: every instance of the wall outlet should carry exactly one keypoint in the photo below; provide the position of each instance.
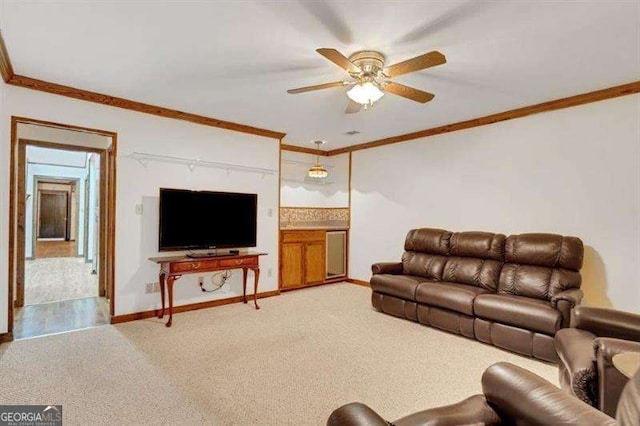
(139, 209)
(270, 212)
(152, 288)
(269, 272)
(200, 280)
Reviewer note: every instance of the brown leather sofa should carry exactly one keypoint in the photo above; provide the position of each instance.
(511, 396)
(514, 292)
(586, 353)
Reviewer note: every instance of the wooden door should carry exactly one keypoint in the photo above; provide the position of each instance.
(314, 261)
(53, 215)
(291, 265)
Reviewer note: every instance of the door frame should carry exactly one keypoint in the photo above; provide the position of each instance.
(17, 204)
(52, 179)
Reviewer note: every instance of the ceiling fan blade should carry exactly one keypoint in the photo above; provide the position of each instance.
(353, 107)
(421, 62)
(408, 92)
(317, 87)
(339, 59)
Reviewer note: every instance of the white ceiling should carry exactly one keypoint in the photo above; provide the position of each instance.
(234, 60)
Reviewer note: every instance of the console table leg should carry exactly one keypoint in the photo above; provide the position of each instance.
(256, 273)
(170, 282)
(162, 284)
(244, 284)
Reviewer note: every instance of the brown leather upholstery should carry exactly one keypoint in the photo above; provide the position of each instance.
(541, 265)
(586, 351)
(403, 286)
(458, 278)
(578, 371)
(523, 312)
(511, 396)
(456, 297)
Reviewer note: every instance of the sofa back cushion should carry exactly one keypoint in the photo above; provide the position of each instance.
(541, 265)
(426, 251)
(475, 259)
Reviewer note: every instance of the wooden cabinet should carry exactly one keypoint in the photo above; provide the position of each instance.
(291, 265)
(302, 258)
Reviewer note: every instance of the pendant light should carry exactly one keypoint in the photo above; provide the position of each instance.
(317, 171)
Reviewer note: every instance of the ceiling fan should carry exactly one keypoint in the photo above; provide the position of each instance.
(370, 78)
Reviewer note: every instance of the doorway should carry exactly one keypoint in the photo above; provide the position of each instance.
(62, 228)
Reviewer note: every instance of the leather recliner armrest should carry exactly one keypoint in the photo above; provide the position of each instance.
(471, 411)
(611, 382)
(394, 268)
(517, 394)
(575, 350)
(355, 414)
(607, 322)
(565, 301)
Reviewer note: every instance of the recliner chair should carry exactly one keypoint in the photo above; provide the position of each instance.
(511, 396)
(586, 353)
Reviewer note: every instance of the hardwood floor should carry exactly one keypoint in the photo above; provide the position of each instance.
(56, 317)
(55, 249)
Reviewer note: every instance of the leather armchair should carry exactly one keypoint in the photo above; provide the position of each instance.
(586, 351)
(511, 395)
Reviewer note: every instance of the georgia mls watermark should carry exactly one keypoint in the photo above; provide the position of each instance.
(30, 415)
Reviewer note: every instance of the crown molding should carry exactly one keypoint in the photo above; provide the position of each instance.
(571, 101)
(85, 95)
(10, 77)
(303, 149)
(6, 69)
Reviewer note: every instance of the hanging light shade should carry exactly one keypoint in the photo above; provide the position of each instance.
(317, 171)
(365, 93)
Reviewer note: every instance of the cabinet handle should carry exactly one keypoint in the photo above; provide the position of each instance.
(196, 265)
(239, 262)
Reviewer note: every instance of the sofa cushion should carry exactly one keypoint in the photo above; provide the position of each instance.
(550, 250)
(530, 314)
(477, 272)
(402, 286)
(428, 240)
(452, 296)
(423, 265)
(536, 281)
(481, 245)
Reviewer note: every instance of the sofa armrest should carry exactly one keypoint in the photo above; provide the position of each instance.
(394, 268)
(565, 301)
(607, 322)
(471, 411)
(355, 414)
(517, 394)
(575, 350)
(610, 380)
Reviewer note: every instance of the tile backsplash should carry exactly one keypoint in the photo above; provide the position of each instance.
(294, 217)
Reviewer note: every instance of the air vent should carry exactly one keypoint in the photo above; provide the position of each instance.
(352, 132)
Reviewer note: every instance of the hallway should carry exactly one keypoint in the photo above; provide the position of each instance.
(58, 278)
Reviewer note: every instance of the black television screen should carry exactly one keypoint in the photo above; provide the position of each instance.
(204, 219)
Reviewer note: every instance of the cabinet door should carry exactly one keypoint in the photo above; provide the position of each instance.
(314, 262)
(291, 265)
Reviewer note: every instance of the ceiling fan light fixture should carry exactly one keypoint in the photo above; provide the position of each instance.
(317, 171)
(366, 93)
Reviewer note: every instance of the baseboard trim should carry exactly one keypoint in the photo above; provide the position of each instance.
(118, 319)
(358, 282)
(6, 337)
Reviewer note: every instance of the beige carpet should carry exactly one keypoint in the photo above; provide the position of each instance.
(56, 279)
(292, 362)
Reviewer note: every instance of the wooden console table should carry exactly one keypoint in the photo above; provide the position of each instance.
(174, 267)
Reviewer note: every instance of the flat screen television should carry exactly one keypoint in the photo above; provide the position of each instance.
(192, 220)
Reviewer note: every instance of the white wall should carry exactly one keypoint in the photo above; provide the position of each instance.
(54, 157)
(574, 171)
(300, 191)
(136, 236)
(53, 171)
